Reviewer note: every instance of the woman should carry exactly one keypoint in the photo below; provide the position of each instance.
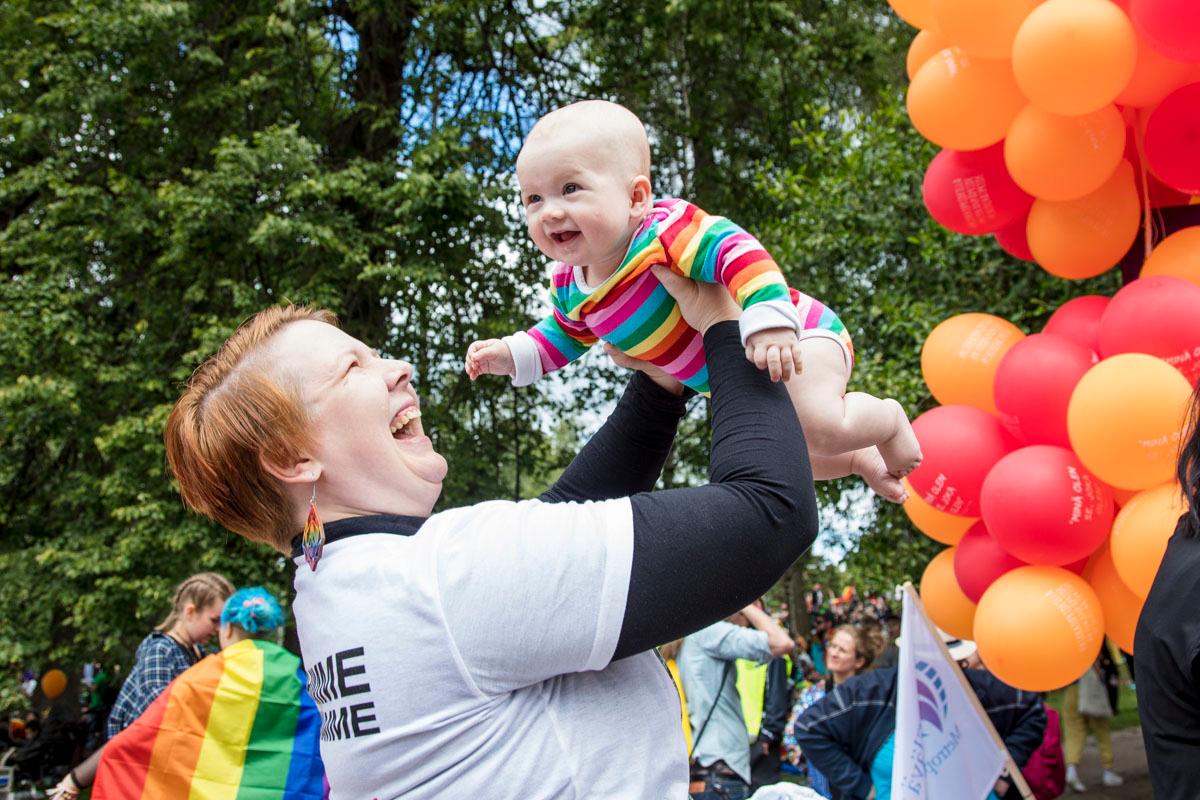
(1088, 705)
(502, 649)
(237, 722)
(847, 653)
(1167, 644)
(172, 647)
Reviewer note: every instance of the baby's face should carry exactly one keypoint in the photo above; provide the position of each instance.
(578, 203)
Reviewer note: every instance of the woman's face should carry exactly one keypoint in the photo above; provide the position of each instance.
(371, 454)
(201, 623)
(841, 655)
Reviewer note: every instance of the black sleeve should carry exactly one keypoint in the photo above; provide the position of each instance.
(700, 554)
(627, 454)
(776, 700)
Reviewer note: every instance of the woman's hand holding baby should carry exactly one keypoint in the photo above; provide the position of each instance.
(490, 357)
(776, 350)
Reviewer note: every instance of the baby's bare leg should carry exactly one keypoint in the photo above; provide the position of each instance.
(876, 432)
(867, 464)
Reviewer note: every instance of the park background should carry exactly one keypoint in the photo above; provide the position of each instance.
(169, 168)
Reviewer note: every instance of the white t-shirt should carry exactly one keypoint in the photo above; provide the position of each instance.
(471, 660)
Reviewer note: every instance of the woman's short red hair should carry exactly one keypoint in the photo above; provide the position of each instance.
(238, 413)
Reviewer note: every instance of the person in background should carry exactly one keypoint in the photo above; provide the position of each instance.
(720, 752)
(268, 739)
(1088, 706)
(1167, 643)
(890, 657)
(670, 657)
(849, 734)
(172, 647)
(849, 651)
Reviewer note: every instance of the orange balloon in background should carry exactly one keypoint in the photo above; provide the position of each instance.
(925, 45)
(1064, 158)
(1125, 420)
(947, 606)
(1083, 238)
(1178, 256)
(937, 525)
(1140, 534)
(1154, 77)
(1039, 628)
(961, 355)
(53, 683)
(1074, 56)
(917, 13)
(982, 28)
(963, 103)
(1121, 606)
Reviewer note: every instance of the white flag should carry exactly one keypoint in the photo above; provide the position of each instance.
(945, 748)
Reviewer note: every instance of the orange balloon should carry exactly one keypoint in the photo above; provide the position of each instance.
(1083, 238)
(917, 13)
(1074, 56)
(961, 355)
(947, 606)
(961, 102)
(53, 683)
(1125, 420)
(1178, 256)
(1121, 606)
(982, 28)
(925, 45)
(1154, 77)
(1039, 628)
(1064, 158)
(1140, 534)
(937, 525)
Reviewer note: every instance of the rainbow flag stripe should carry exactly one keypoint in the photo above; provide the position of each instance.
(239, 725)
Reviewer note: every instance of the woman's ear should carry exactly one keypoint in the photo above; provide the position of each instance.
(640, 197)
(304, 470)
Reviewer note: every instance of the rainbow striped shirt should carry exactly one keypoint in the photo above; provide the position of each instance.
(635, 313)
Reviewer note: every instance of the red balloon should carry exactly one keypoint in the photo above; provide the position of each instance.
(1033, 387)
(1012, 240)
(979, 560)
(971, 192)
(960, 445)
(1158, 315)
(1079, 320)
(1173, 138)
(1044, 507)
(1161, 195)
(1172, 26)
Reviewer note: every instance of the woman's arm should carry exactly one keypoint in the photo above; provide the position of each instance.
(627, 454)
(701, 554)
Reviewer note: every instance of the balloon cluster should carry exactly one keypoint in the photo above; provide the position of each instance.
(1060, 120)
(1049, 468)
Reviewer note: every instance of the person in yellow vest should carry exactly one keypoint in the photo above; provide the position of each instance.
(668, 652)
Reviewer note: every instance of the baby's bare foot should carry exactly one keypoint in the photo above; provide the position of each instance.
(902, 452)
(868, 464)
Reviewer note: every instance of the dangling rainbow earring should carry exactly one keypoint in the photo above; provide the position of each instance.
(313, 539)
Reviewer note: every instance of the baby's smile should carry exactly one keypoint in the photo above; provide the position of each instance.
(562, 237)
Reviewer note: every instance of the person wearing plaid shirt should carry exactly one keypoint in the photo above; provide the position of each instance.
(173, 647)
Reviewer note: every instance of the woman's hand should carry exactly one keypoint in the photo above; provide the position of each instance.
(702, 304)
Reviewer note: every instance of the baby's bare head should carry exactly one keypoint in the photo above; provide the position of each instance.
(605, 133)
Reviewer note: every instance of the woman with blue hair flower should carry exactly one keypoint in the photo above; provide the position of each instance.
(249, 613)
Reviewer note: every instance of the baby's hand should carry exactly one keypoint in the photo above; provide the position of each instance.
(776, 350)
(490, 357)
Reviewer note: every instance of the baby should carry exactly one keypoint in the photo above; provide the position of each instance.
(584, 176)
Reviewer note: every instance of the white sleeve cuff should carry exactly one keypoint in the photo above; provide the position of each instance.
(527, 361)
(766, 315)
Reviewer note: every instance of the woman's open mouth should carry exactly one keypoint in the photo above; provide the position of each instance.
(404, 424)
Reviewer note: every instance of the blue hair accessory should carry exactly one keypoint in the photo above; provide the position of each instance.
(253, 609)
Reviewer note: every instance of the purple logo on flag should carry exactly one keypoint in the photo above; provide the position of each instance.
(931, 696)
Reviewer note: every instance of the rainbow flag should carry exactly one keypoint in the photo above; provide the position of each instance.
(239, 725)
